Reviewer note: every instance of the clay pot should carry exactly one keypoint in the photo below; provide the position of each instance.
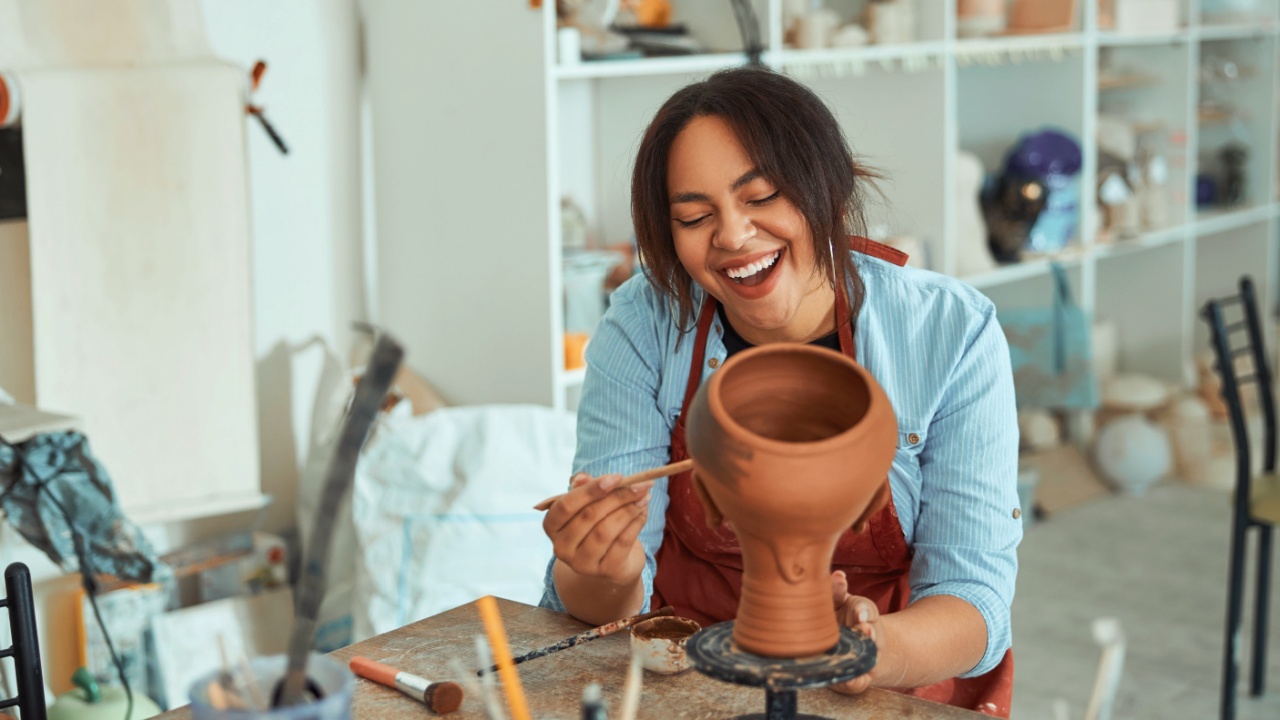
(660, 643)
(792, 445)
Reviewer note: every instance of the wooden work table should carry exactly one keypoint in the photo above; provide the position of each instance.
(553, 685)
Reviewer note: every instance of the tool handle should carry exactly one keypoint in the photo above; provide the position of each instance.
(674, 468)
(374, 670)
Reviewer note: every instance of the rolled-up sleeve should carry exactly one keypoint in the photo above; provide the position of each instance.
(621, 425)
(967, 533)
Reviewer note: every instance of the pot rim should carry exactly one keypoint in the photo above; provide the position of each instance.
(876, 396)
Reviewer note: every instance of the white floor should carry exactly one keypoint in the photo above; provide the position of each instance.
(1158, 563)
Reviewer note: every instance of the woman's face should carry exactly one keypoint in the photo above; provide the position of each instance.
(742, 241)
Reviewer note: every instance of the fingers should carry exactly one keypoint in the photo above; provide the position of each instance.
(858, 613)
(856, 686)
(606, 548)
(620, 549)
(839, 588)
(584, 495)
(595, 526)
(863, 616)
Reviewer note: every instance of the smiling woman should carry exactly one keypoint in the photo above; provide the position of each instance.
(744, 196)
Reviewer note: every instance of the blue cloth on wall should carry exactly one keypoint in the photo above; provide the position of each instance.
(1050, 350)
(54, 472)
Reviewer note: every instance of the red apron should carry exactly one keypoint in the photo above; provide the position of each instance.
(700, 570)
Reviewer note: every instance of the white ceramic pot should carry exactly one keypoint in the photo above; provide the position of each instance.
(1133, 453)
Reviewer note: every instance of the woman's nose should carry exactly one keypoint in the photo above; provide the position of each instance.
(737, 231)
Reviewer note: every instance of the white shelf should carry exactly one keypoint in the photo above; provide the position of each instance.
(19, 423)
(1147, 240)
(864, 53)
(211, 507)
(678, 65)
(1029, 268)
(1112, 39)
(1235, 31)
(572, 378)
(1218, 221)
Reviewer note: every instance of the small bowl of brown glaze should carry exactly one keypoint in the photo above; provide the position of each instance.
(660, 642)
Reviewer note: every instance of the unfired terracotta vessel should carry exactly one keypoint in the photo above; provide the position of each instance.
(791, 445)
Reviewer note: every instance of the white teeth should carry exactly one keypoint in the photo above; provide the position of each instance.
(750, 269)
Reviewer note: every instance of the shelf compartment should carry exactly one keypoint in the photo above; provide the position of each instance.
(1147, 317)
(1216, 221)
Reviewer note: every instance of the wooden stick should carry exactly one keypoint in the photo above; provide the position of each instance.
(586, 636)
(502, 654)
(631, 690)
(674, 468)
(492, 706)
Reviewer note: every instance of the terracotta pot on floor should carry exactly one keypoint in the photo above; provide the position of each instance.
(792, 444)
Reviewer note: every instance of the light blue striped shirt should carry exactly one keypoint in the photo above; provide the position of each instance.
(935, 346)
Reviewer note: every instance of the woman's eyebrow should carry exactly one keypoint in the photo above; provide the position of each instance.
(747, 177)
(688, 197)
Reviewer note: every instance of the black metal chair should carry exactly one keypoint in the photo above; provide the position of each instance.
(1257, 498)
(25, 650)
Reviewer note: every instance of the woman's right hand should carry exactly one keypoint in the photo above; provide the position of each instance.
(594, 528)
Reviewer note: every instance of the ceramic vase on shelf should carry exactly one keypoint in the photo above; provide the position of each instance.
(977, 18)
(791, 445)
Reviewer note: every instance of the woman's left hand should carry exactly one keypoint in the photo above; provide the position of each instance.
(863, 616)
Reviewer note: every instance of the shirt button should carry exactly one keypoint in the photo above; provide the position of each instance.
(714, 363)
(1017, 513)
(913, 438)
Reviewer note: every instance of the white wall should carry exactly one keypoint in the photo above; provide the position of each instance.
(307, 255)
(307, 223)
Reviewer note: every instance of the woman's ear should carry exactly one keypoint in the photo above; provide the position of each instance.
(710, 512)
(877, 504)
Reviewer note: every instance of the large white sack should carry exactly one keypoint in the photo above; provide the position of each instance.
(443, 508)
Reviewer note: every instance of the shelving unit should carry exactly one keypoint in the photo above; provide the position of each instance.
(524, 131)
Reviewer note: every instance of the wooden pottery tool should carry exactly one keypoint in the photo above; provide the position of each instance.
(674, 468)
(502, 654)
(441, 697)
(586, 636)
(387, 353)
(631, 690)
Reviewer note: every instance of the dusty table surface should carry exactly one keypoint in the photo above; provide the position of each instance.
(553, 684)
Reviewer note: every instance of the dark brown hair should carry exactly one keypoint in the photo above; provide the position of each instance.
(793, 140)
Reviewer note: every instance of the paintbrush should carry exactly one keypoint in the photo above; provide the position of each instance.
(674, 468)
(631, 689)
(585, 636)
